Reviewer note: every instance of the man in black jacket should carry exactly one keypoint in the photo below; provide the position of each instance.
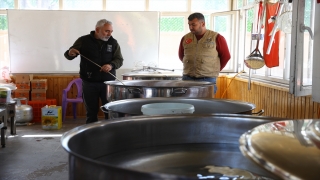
(101, 48)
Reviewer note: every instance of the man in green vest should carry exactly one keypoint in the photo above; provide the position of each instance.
(204, 53)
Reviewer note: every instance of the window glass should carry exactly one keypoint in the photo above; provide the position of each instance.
(125, 5)
(168, 5)
(225, 24)
(3, 22)
(172, 29)
(6, 4)
(240, 4)
(172, 24)
(210, 5)
(39, 4)
(207, 21)
(82, 5)
(307, 45)
(279, 70)
(4, 49)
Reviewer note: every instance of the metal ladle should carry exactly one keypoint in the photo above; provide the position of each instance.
(255, 59)
(100, 67)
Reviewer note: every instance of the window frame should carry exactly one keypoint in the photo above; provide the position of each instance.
(296, 63)
(234, 38)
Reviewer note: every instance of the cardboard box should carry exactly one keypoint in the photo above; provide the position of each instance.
(21, 93)
(51, 117)
(38, 95)
(36, 108)
(22, 78)
(39, 84)
(23, 85)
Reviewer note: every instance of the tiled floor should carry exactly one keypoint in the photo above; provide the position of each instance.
(34, 153)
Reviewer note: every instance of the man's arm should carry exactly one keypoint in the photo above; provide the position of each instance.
(223, 51)
(181, 50)
(77, 45)
(117, 59)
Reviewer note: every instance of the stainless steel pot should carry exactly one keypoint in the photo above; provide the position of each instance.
(162, 147)
(24, 113)
(155, 88)
(132, 107)
(294, 152)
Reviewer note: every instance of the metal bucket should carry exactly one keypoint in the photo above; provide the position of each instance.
(162, 147)
(157, 88)
(132, 107)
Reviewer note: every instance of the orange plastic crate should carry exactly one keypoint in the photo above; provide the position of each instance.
(36, 108)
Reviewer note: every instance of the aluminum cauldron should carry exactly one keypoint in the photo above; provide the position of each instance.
(163, 147)
(157, 88)
(132, 107)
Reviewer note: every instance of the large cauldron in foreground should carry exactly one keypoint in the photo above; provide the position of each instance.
(132, 107)
(162, 147)
(157, 88)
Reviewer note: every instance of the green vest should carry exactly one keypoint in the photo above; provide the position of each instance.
(201, 57)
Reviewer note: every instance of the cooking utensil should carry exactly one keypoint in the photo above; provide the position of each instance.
(289, 149)
(132, 107)
(255, 59)
(158, 88)
(100, 67)
(162, 147)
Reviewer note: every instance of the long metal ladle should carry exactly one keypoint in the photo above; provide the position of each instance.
(101, 67)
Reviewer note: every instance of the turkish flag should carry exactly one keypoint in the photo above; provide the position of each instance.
(271, 59)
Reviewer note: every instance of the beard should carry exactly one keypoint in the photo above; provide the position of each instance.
(104, 38)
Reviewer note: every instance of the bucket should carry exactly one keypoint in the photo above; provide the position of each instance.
(167, 108)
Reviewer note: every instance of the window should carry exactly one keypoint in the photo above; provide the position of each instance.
(211, 6)
(82, 4)
(168, 5)
(6, 4)
(172, 29)
(302, 51)
(39, 4)
(226, 24)
(125, 5)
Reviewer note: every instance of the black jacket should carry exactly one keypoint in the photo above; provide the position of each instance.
(100, 52)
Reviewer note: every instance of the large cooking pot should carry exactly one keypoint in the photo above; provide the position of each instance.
(289, 149)
(132, 107)
(162, 147)
(157, 88)
(24, 112)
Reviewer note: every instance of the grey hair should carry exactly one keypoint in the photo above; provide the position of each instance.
(102, 22)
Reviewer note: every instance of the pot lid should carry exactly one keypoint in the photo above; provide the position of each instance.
(159, 83)
(289, 149)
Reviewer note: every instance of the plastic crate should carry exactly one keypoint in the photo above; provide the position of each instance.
(36, 108)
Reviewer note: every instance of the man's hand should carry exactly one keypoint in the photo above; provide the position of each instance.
(73, 52)
(106, 68)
